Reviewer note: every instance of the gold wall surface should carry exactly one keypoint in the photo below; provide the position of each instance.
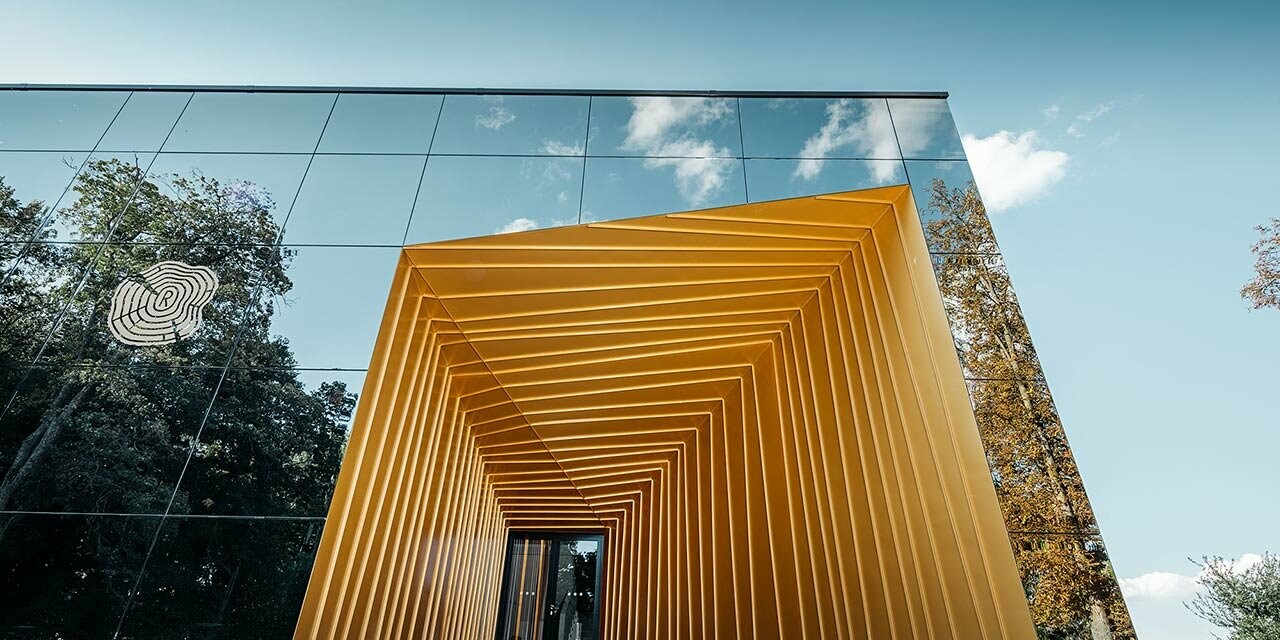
(760, 406)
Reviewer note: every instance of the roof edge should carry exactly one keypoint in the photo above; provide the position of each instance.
(249, 88)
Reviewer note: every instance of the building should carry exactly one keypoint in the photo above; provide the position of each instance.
(600, 364)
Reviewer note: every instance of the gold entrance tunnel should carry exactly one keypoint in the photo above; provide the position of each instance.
(760, 406)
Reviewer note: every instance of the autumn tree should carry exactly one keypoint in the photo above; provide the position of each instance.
(1071, 588)
(97, 426)
(1245, 601)
(1264, 289)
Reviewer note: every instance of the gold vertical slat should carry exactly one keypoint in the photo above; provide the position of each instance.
(759, 406)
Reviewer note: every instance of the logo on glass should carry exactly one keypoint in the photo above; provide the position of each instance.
(162, 304)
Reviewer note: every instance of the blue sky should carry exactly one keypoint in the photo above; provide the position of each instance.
(1139, 150)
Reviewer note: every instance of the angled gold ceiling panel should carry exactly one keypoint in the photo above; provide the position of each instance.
(760, 406)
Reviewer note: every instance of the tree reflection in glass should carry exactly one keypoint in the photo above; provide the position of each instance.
(97, 426)
(1069, 581)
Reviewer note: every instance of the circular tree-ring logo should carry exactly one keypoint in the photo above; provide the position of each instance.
(161, 305)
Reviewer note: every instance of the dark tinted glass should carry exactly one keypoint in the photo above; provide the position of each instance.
(215, 578)
(113, 439)
(63, 120)
(675, 127)
(272, 445)
(68, 576)
(525, 125)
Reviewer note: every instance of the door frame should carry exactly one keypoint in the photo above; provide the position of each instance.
(551, 535)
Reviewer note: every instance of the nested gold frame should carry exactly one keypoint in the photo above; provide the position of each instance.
(761, 405)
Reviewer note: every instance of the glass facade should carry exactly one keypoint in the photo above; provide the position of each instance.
(168, 475)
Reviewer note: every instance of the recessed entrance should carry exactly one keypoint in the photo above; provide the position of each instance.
(551, 587)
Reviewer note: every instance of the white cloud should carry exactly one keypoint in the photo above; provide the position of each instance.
(519, 224)
(496, 118)
(869, 133)
(1013, 169)
(1051, 112)
(1076, 128)
(557, 148)
(658, 129)
(1161, 585)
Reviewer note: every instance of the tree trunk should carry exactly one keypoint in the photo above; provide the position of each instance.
(37, 445)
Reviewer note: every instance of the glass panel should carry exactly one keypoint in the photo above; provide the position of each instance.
(31, 185)
(1035, 474)
(102, 188)
(990, 333)
(656, 126)
(629, 187)
(249, 185)
(381, 123)
(27, 309)
(810, 128)
(173, 304)
(272, 445)
(145, 121)
(99, 438)
(495, 125)
(65, 120)
(550, 587)
(224, 578)
(329, 317)
(464, 197)
(245, 122)
(778, 179)
(68, 576)
(925, 129)
(1071, 587)
(355, 200)
(950, 208)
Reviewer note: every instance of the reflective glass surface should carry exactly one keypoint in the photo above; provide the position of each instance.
(990, 333)
(657, 126)
(68, 576)
(31, 185)
(219, 394)
(463, 197)
(777, 179)
(252, 122)
(950, 207)
(330, 314)
(145, 121)
(62, 120)
(925, 129)
(223, 578)
(100, 438)
(355, 200)
(381, 123)
(629, 187)
(511, 125)
(794, 128)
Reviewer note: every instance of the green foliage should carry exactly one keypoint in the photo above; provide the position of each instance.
(1245, 601)
(102, 427)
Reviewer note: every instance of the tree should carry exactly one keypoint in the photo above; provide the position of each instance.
(1244, 600)
(1071, 588)
(102, 427)
(1264, 289)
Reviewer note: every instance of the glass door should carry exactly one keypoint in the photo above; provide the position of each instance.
(550, 587)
